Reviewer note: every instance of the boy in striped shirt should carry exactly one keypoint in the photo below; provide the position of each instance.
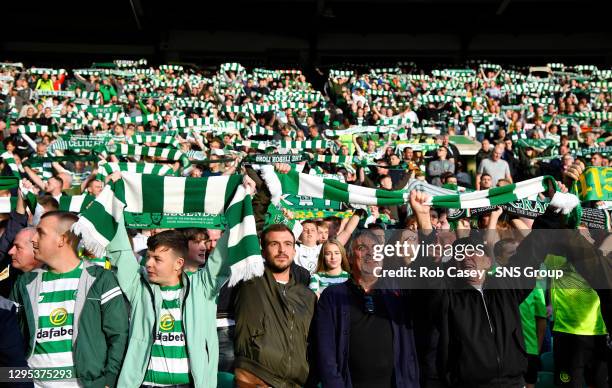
(72, 312)
(177, 307)
(169, 362)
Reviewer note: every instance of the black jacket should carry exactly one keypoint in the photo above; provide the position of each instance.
(15, 223)
(453, 152)
(480, 334)
(12, 349)
(272, 329)
(23, 148)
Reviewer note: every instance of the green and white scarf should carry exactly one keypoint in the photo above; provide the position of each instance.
(397, 120)
(430, 98)
(304, 145)
(105, 169)
(341, 73)
(55, 93)
(139, 119)
(137, 150)
(33, 128)
(41, 71)
(9, 159)
(91, 96)
(75, 203)
(171, 67)
(138, 193)
(78, 142)
(7, 204)
(317, 187)
(163, 139)
(78, 122)
(354, 129)
(258, 130)
(185, 123)
(129, 62)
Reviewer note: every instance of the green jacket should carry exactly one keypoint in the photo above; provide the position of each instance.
(100, 335)
(198, 303)
(272, 330)
(107, 92)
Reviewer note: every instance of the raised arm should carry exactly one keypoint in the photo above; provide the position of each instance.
(345, 234)
(34, 177)
(357, 146)
(121, 255)
(217, 268)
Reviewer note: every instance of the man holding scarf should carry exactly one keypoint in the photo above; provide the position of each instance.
(178, 308)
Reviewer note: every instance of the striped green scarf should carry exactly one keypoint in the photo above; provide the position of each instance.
(430, 98)
(137, 150)
(9, 160)
(75, 203)
(171, 67)
(317, 187)
(291, 145)
(91, 96)
(341, 73)
(225, 195)
(7, 204)
(303, 145)
(77, 122)
(33, 128)
(398, 120)
(78, 142)
(139, 119)
(105, 169)
(56, 93)
(258, 130)
(41, 71)
(358, 129)
(184, 123)
(163, 139)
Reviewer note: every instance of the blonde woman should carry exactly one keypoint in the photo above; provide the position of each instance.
(332, 267)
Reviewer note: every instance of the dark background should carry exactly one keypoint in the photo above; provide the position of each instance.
(307, 33)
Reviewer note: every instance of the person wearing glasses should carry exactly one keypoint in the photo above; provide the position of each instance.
(364, 332)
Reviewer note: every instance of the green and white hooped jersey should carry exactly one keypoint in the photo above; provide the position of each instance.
(53, 344)
(169, 364)
(320, 281)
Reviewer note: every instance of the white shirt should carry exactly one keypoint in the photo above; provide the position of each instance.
(413, 116)
(471, 130)
(307, 257)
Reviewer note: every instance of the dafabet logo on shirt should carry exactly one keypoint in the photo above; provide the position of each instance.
(58, 316)
(166, 323)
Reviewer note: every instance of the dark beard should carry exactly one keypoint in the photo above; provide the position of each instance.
(276, 269)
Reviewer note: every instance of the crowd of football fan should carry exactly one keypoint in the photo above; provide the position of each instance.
(156, 310)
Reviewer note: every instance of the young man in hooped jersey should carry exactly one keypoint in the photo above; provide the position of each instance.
(72, 312)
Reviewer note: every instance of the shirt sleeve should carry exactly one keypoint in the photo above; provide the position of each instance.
(539, 303)
(314, 283)
(481, 166)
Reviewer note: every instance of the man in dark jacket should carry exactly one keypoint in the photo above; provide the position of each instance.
(481, 342)
(364, 332)
(22, 147)
(18, 220)
(273, 316)
(12, 349)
